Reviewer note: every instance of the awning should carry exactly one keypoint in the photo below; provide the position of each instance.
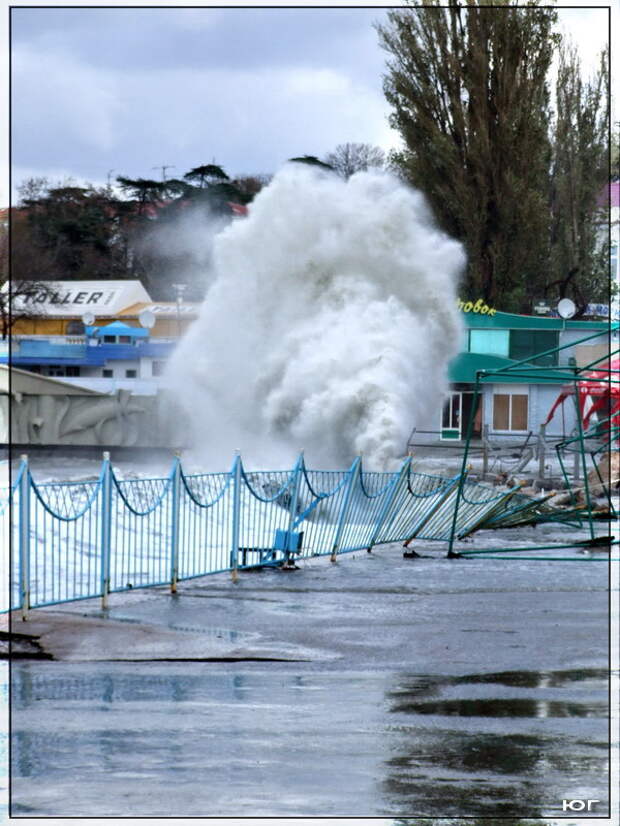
(464, 367)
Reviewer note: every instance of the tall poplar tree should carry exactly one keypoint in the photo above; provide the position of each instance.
(470, 98)
(579, 266)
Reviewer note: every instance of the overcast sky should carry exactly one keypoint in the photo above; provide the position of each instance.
(109, 91)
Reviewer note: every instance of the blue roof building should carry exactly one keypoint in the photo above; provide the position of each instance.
(106, 358)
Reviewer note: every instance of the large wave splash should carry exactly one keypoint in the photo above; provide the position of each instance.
(328, 326)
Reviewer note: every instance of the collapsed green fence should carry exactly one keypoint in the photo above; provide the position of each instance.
(603, 436)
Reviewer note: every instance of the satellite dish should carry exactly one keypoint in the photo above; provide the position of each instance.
(566, 308)
(146, 319)
(88, 319)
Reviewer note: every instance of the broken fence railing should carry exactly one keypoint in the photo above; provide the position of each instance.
(76, 540)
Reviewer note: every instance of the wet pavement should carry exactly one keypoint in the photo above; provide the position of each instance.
(378, 686)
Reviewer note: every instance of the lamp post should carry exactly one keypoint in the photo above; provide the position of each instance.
(180, 289)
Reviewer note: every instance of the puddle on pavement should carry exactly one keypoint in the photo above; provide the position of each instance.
(227, 634)
(504, 751)
(348, 744)
(517, 707)
(413, 696)
(536, 679)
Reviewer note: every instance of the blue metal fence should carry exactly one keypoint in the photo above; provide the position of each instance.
(76, 540)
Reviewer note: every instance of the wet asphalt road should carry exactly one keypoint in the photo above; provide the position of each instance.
(378, 686)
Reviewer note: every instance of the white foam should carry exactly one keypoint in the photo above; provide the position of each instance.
(328, 326)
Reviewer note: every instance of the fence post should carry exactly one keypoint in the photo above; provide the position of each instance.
(174, 538)
(463, 473)
(576, 466)
(385, 510)
(541, 452)
(580, 456)
(353, 477)
(485, 451)
(24, 536)
(292, 514)
(106, 527)
(236, 515)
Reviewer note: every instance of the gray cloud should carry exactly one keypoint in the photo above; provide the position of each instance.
(199, 38)
(95, 89)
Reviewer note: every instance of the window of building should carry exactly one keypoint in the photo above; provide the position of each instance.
(55, 370)
(131, 374)
(452, 412)
(451, 417)
(491, 342)
(525, 344)
(107, 373)
(109, 339)
(158, 368)
(510, 410)
(124, 339)
(75, 328)
(73, 370)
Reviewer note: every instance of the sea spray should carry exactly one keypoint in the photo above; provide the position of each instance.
(328, 326)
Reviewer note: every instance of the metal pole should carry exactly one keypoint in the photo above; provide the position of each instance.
(354, 475)
(24, 536)
(293, 507)
(485, 450)
(106, 528)
(180, 289)
(385, 510)
(459, 492)
(295, 494)
(575, 466)
(582, 456)
(174, 538)
(234, 550)
(541, 452)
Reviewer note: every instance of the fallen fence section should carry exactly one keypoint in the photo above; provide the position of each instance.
(77, 540)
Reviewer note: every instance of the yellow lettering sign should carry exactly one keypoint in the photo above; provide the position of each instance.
(476, 307)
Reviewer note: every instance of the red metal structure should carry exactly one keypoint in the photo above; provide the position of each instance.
(597, 390)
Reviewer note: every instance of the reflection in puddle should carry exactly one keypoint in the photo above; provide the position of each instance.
(517, 707)
(510, 744)
(228, 634)
(536, 679)
(472, 768)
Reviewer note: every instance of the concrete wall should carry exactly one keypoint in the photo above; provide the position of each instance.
(119, 420)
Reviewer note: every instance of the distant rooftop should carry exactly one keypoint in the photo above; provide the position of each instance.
(62, 299)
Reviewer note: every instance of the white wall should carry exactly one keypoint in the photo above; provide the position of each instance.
(139, 387)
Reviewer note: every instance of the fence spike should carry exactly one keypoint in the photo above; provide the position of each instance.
(106, 527)
(24, 535)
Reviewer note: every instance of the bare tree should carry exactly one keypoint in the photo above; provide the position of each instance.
(251, 185)
(17, 301)
(16, 295)
(349, 158)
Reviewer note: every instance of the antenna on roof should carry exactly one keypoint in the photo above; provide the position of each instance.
(566, 308)
(146, 319)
